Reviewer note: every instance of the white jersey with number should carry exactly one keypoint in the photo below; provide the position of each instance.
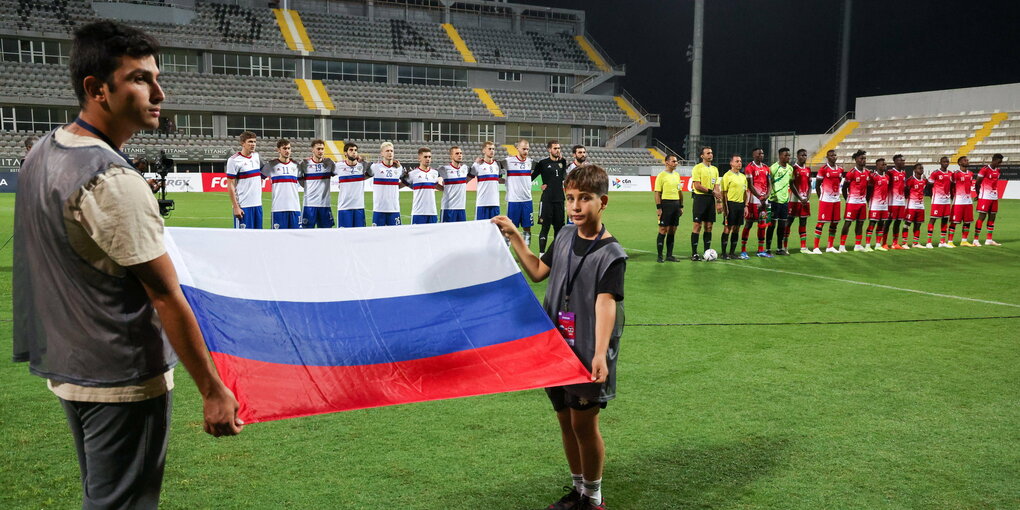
(247, 172)
(423, 182)
(285, 185)
(351, 180)
(488, 175)
(386, 187)
(518, 179)
(455, 180)
(317, 177)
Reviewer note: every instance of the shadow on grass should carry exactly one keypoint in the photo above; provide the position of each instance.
(6, 269)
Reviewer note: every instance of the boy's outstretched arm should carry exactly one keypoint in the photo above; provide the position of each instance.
(530, 263)
(605, 320)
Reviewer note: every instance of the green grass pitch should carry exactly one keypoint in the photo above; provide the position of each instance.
(865, 415)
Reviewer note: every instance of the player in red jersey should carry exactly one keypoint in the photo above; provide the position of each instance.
(963, 202)
(878, 203)
(898, 202)
(941, 200)
(827, 183)
(856, 190)
(760, 186)
(915, 203)
(987, 184)
(800, 202)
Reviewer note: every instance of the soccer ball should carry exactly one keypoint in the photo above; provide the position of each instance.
(710, 255)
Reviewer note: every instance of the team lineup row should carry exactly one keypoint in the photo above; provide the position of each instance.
(775, 196)
(314, 173)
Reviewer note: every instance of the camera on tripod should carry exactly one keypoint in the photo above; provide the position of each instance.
(162, 166)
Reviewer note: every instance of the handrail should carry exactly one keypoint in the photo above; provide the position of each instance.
(849, 115)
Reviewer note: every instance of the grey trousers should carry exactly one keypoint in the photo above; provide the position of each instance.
(121, 451)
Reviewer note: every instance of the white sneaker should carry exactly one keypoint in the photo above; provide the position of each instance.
(842, 249)
(857, 247)
(806, 250)
(991, 243)
(868, 248)
(930, 247)
(942, 245)
(917, 246)
(976, 243)
(816, 251)
(527, 239)
(831, 249)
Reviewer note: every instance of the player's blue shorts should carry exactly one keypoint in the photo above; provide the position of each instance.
(520, 213)
(350, 218)
(419, 219)
(485, 212)
(286, 219)
(450, 215)
(317, 217)
(381, 219)
(252, 218)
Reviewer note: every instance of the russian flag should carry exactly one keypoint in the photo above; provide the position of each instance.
(389, 316)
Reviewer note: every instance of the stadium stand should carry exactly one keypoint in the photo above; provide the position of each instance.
(234, 66)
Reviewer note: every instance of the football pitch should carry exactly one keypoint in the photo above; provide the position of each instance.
(858, 380)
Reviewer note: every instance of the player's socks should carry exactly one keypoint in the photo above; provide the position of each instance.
(977, 229)
(991, 228)
(931, 231)
(857, 239)
(578, 481)
(593, 489)
(744, 234)
(733, 244)
(670, 238)
(842, 240)
(707, 240)
(527, 238)
(966, 231)
(659, 243)
(694, 243)
(942, 238)
(802, 230)
(542, 240)
(770, 232)
(952, 232)
(725, 241)
(871, 230)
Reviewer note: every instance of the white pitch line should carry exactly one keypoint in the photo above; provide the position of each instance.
(868, 284)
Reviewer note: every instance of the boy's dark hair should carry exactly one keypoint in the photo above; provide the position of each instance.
(97, 48)
(880, 160)
(959, 159)
(898, 156)
(574, 150)
(752, 150)
(944, 157)
(801, 151)
(670, 156)
(703, 149)
(784, 149)
(735, 155)
(830, 150)
(318, 141)
(858, 154)
(550, 143)
(589, 179)
(423, 150)
(918, 165)
(348, 145)
(245, 136)
(997, 156)
(282, 143)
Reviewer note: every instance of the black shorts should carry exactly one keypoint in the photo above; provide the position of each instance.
(780, 211)
(734, 214)
(670, 213)
(562, 399)
(704, 208)
(551, 213)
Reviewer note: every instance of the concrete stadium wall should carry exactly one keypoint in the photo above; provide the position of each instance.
(1004, 98)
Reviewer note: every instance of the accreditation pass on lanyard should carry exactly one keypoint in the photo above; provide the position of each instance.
(565, 318)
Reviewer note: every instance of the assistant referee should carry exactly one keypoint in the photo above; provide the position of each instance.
(705, 188)
(669, 206)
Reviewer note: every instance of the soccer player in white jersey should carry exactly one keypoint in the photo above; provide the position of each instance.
(490, 176)
(351, 174)
(519, 207)
(314, 175)
(423, 181)
(283, 172)
(244, 183)
(386, 188)
(455, 178)
(580, 158)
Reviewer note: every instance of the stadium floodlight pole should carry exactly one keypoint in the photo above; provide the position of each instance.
(699, 36)
(844, 62)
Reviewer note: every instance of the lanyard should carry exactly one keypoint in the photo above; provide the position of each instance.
(102, 136)
(570, 255)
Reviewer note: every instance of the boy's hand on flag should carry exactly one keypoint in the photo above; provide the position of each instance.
(220, 410)
(599, 369)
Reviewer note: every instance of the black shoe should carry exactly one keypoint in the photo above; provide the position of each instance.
(659, 259)
(695, 258)
(567, 502)
(672, 259)
(769, 251)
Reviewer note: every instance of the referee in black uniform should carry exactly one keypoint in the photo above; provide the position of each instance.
(551, 209)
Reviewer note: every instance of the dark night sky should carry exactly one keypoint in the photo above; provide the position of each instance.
(773, 65)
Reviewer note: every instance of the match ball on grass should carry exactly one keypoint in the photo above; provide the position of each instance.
(710, 255)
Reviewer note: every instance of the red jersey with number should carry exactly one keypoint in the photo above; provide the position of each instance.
(989, 184)
(963, 184)
(802, 179)
(759, 175)
(899, 182)
(941, 185)
(857, 190)
(831, 178)
(915, 188)
(880, 192)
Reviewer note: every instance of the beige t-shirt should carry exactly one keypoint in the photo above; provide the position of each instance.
(112, 222)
